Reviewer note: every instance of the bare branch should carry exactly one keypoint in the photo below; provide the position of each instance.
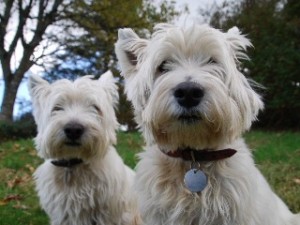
(3, 26)
(43, 54)
(6, 15)
(4, 58)
(19, 30)
(44, 21)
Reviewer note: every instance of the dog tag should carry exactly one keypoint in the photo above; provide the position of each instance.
(195, 180)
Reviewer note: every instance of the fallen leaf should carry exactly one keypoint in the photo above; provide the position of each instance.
(17, 180)
(32, 152)
(297, 180)
(13, 182)
(30, 167)
(20, 206)
(2, 202)
(13, 197)
(16, 146)
(10, 198)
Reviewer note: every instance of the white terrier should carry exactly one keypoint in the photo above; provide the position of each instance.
(83, 180)
(192, 104)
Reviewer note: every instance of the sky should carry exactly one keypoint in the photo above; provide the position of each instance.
(193, 6)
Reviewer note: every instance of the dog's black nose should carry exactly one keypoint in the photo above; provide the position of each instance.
(73, 130)
(188, 94)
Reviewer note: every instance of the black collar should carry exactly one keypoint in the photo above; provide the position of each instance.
(189, 154)
(67, 162)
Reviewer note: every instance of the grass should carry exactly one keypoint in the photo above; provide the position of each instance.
(18, 200)
(277, 154)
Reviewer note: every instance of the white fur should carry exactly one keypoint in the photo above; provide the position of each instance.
(99, 190)
(237, 193)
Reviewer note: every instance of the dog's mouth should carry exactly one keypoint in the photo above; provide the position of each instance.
(73, 143)
(189, 118)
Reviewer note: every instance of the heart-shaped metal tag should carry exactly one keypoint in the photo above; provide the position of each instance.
(195, 180)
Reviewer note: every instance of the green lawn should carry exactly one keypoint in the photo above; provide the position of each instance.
(277, 154)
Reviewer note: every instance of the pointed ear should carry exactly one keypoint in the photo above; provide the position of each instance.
(129, 49)
(255, 102)
(38, 90)
(36, 85)
(108, 82)
(246, 98)
(238, 43)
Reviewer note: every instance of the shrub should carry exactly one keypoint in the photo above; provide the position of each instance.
(24, 127)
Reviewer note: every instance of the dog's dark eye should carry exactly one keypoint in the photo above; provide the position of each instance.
(211, 61)
(163, 67)
(97, 109)
(57, 108)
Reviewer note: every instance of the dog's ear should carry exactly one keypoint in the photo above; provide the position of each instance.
(36, 86)
(108, 82)
(247, 99)
(129, 49)
(241, 89)
(238, 43)
(254, 101)
(38, 89)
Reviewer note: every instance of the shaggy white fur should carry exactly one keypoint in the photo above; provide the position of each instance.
(76, 120)
(187, 92)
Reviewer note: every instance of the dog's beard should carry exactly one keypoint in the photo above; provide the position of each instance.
(180, 133)
(56, 145)
(208, 125)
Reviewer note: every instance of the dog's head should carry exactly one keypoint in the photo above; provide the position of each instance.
(74, 119)
(185, 85)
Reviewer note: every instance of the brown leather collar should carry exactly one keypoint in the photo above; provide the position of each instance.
(201, 155)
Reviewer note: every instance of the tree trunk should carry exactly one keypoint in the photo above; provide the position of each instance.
(46, 13)
(10, 94)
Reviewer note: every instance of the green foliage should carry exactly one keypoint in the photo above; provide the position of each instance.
(273, 27)
(22, 128)
(93, 30)
(129, 144)
(125, 111)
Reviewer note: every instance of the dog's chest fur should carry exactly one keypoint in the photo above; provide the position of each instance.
(230, 190)
(79, 194)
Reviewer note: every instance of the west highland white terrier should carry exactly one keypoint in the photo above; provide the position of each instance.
(192, 105)
(83, 180)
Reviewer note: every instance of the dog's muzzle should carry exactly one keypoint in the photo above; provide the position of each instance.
(188, 94)
(73, 132)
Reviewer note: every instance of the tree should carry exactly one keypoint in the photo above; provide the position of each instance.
(31, 19)
(88, 30)
(92, 52)
(273, 27)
